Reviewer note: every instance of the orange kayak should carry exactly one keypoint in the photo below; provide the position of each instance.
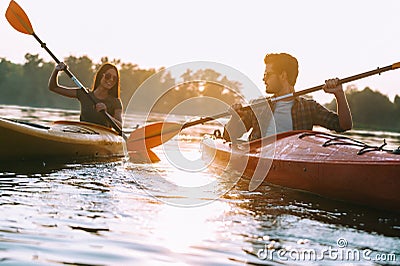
(331, 166)
(62, 140)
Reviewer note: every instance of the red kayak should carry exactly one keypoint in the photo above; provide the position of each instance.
(331, 166)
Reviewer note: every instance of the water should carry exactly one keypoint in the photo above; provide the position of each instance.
(122, 213)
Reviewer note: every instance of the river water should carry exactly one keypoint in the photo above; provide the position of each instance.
(124, 213)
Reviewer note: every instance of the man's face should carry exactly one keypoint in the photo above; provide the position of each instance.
(271, 80)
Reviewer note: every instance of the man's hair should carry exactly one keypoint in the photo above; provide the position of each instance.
(284, 62)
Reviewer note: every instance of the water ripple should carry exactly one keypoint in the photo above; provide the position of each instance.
(116, 214)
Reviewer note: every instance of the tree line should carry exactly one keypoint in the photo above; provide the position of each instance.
(371, 110)
(26, 84)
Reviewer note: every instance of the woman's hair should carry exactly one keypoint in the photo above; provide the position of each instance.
(284, 62)
(115, 90)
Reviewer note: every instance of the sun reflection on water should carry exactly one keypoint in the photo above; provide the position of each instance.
(181, 229)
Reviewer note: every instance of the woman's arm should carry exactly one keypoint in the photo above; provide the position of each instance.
(55, 87)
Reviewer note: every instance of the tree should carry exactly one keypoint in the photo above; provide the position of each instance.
(83, 69)
(10, 81)
(369, 109)
(396, 115)
(35, 75)
(27, 84)
(203, 92)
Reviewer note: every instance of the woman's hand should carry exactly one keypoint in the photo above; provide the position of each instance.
(61, 66)
(101, 107)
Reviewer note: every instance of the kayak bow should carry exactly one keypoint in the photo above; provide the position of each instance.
(62, 140)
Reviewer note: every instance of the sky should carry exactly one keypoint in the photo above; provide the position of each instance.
(330, 38)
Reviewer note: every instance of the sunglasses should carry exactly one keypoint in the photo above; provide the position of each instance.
(268, 75)
(109, 76)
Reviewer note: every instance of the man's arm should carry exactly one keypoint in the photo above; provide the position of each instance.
(239, 123)
(335, 87)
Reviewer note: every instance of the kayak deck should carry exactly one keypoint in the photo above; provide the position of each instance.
(61, 140)
(331, 166)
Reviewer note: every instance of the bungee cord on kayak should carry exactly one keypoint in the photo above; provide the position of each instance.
(342, 140)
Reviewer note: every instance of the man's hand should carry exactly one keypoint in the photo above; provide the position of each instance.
(333, 86)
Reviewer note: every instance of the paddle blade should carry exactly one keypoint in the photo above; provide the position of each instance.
(152, 135)
(18, 19)
(146, 156)
(396, 65)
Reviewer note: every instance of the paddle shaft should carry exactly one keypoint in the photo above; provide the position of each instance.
(291, 96)
(79, 84)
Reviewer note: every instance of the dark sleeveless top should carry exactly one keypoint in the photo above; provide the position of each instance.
(88, 110)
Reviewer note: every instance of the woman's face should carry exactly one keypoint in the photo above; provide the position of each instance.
(110, 77)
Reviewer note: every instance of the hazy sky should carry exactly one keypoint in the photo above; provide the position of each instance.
(336, 38)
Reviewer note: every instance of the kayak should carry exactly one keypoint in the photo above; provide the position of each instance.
(331, 166)
(61, 140)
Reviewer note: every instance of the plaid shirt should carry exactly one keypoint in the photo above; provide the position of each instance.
(306, 113)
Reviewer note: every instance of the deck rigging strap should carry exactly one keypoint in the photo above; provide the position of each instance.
(342, 140)
(80, 130)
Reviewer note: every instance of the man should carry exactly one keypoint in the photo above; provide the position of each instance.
(280, 76)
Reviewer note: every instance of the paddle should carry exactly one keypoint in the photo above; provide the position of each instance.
(18, 19)
(157, 133)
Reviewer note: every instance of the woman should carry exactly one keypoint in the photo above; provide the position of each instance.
(105, 92)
